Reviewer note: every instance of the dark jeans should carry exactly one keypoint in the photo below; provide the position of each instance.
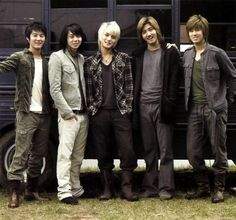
(204, 124)
(157, 137)
(103, 123)
(32, 131)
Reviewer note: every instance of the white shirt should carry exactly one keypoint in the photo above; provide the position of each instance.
(36, 98)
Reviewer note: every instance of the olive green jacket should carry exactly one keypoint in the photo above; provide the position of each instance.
(22, 63)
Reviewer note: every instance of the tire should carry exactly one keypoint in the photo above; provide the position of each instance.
(7, 150)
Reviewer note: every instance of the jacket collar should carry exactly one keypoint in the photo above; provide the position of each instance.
(27, 51)
(194, 50)
(98, 56)
(67, 53)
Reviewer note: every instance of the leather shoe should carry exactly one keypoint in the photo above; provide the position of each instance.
(70, 200)
(31, 196)
(106, 195)
(164, 195)
(148, 194)
(131, 197)
(14, 200)
(217, 197)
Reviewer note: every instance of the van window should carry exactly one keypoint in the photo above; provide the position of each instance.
(14, 20)
(222, 23)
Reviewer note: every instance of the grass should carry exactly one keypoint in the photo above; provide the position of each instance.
(175, 209)
(92, 209)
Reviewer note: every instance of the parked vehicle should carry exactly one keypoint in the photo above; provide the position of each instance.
(171, 14)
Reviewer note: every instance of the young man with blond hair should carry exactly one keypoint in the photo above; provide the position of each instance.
(110, 94)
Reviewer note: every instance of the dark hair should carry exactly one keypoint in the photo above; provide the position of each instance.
(74, 29)
(35, 26)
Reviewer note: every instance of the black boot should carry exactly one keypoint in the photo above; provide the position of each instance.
(14, 201)
(203, 189)
(32, 191)
(219, 186)
(106, 176)
(126, 186)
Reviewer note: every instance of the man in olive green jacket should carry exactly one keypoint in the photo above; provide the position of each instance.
(33, 105)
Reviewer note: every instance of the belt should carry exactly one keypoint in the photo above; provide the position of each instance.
(78, 112)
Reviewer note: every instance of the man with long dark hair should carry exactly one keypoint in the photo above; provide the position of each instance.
(67, 87)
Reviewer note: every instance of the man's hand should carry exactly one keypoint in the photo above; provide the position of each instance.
(74, 116)
(169, 45)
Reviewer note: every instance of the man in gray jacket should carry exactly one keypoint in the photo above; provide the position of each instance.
(208, 71)
(67, 87)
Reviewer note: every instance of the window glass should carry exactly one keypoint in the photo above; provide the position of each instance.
(78, 3)
(85, 18)
(14, 16)
(222, 28)
(128, 19)
(213, 10)
(128, 2)
(12, 36)
(20, 11)
(226, 39)
(222, 36)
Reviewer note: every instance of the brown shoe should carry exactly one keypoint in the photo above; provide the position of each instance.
(165, 195)
(14, 200)
(31, 196)
(106, 195)
(126, 187)
(107, 182)
(148, 194)
(217, 197)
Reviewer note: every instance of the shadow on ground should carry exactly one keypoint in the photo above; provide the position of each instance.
(184, 181)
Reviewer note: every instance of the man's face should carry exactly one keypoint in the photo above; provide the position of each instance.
(196, 36)
(108, 40)
(36, 40)
(73, 41)
(149, 35)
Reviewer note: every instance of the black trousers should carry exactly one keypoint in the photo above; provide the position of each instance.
(106, 123)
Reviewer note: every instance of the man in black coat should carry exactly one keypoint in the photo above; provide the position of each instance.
(156, 76)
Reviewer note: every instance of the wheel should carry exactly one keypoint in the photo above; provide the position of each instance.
(7, 150)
